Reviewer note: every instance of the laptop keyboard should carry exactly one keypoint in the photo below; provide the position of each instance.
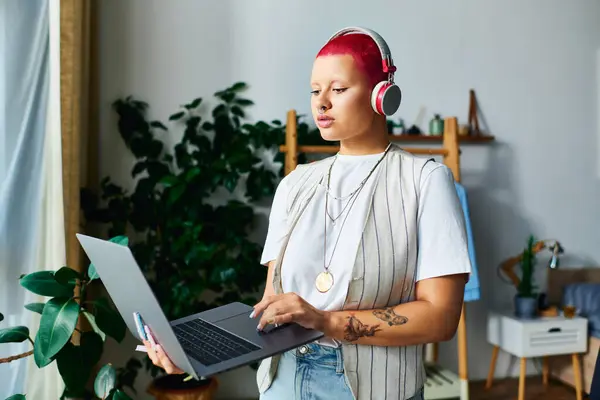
(210, 344)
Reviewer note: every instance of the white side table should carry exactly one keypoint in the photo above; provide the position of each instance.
(539, 337)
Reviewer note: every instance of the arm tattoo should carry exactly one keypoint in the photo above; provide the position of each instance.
(388, 315)
(355, 329)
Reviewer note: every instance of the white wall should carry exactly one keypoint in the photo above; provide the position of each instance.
(534, 66)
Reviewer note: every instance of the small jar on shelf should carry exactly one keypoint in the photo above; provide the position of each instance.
(436, 126)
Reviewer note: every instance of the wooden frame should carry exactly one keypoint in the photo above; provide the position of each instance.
(440, 383)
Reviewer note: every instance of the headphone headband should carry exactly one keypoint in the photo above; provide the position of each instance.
(386, 54)
(386, 95)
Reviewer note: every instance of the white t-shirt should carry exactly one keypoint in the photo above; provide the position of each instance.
(441, 233)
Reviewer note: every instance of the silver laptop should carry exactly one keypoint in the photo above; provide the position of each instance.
(202, 344)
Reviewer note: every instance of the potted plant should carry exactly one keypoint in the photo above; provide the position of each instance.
(191, 212)
(60, 340)
(526, 299)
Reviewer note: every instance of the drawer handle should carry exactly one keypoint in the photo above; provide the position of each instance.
(553, 330)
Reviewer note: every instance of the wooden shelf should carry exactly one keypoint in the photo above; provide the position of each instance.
(439, 139)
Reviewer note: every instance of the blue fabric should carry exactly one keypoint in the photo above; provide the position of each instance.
(585, 297)
(472, 291)
(312, 372)
(317, 374)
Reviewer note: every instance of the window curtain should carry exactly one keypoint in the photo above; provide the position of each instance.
(28, 162)
(48, 136)
(47, 382)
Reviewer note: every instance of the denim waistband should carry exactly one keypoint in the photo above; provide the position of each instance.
(325, 356)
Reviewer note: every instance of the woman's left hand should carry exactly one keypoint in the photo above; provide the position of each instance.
(286, 308)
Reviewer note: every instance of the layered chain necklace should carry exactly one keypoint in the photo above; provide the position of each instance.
(324, 281)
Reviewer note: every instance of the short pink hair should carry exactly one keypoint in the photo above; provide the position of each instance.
(363, 49)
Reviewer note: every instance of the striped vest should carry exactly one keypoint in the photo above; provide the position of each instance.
(382, 275)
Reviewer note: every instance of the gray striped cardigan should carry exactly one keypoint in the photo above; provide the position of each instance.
(383, 274)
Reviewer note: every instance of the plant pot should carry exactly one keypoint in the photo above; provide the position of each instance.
(172, 387)
(525, 307)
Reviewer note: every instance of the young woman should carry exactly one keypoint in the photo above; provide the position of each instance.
(367, 246)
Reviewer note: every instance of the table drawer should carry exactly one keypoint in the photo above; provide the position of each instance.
(537, 337)
(555, 339)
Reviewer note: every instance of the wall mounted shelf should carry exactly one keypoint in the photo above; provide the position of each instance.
(404, 138)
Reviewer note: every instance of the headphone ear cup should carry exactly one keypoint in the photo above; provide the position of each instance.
(386, 98)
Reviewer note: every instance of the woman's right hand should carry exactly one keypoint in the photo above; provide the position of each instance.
(160, 359)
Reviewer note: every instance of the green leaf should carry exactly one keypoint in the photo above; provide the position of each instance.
(75, 363)
(92, 320)
(105, 381)
(168, 180)
(158, 124)
(67, 276)
(91, 345)
(45, 284)
(56, 327)
(16, 397)
(227, 96)
(228, 275)
(239, 86)
(127, 375)
(109, 320)
(220, 110)
(72, 368)
(238, 111)
(191, 174)
(175, 193)
(244, 102)
(16, 334)
(176, 116)
(35, 307)
(230, 182)
(195, 103)
(122, 240)
(138, 169)
(120, 395)
(92, 273)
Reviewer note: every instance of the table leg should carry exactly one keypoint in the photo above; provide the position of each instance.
(522, 378)
(463, 364)
(545, 370)
(577, 375)
(490, 377)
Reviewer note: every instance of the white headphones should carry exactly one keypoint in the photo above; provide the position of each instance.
(386, 95)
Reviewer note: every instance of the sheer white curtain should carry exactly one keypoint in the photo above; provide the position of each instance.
(31, 212)
(51, 253)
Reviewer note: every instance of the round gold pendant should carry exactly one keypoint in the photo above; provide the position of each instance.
(324, 281)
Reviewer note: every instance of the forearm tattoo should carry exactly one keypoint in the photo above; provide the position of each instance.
(355, 329)
(389, 315)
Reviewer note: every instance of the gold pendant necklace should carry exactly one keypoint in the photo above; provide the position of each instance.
(324, 281)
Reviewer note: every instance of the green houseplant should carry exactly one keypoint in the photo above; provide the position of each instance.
(191, 212)
(526, 298)
(76, 357)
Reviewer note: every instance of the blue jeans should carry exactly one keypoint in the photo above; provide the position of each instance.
(312, 372)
